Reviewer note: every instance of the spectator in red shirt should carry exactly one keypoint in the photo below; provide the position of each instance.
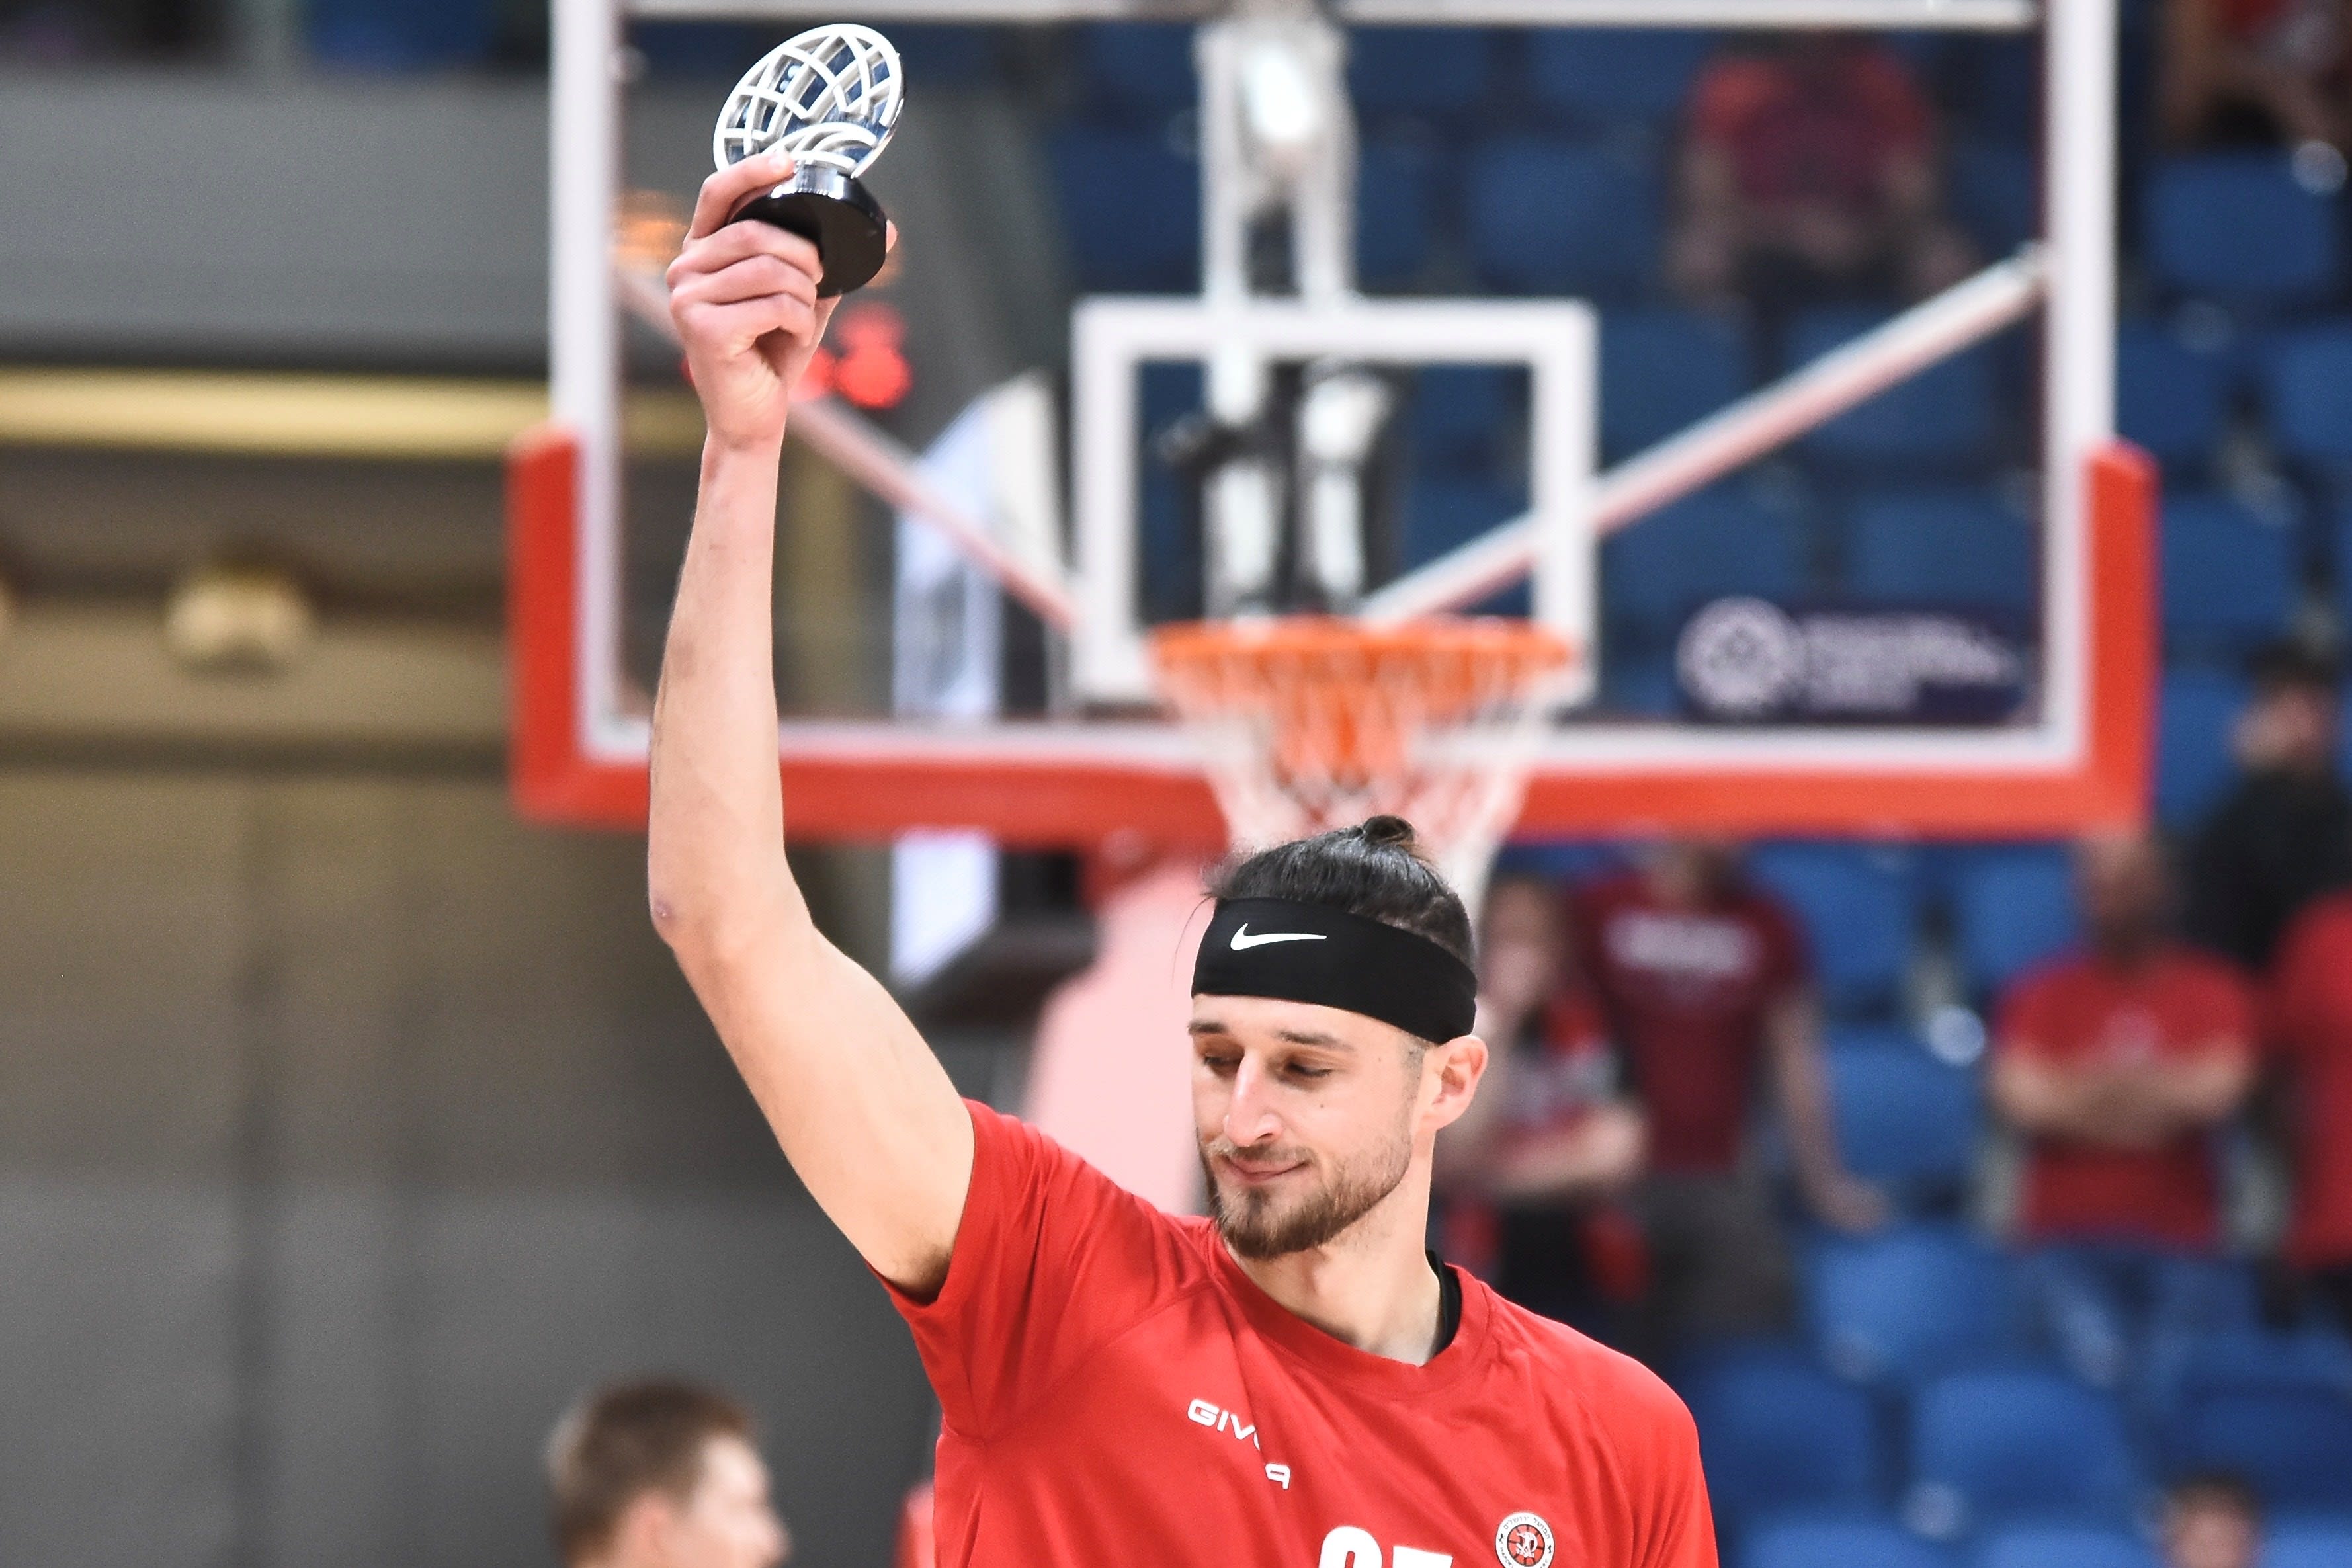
(2311, 1029)
(2265, 72)
(1809, 176)
(1532, 1169)
(1704, 982)
(2116, 1065)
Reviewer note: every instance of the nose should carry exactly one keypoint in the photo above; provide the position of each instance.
(1249, 1114)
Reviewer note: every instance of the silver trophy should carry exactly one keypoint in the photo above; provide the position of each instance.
(830, 98)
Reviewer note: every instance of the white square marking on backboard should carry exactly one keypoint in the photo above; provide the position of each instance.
(1112, 339)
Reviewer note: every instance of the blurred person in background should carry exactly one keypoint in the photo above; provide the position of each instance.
(1532, 1170)
(2116, 1065)
(660, 1474)
(1808, 178)
(2266, 73)
(1704, 983)
(2283, 833)
(2311, 1036)
(2211, 1521)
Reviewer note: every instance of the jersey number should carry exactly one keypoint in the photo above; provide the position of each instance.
(1347, 1547)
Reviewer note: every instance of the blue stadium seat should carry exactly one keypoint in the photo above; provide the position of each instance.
(1906, 1304)
(2304, 374)
(2309, 1545)
(1718, 542)
(1602, 77)
(1130, 210)
(1993, 194)
(1138, 71)
(2169, 398)
(1393, 211)
(1842, 1544)
(1906, 1119)
(672, 50)
(2018, 1445)
(1417, 70)
(2229, 577)
(1944, 415)
(2063, 1546)
(1663, 370)
(1775, 1433)
(2292, 1444)
(2011, 908)
(1950, 548)
(1445, 510)
(1462, 416)
(2195, 713)
(1858, 918)
(947, 53)
(2236, 225)
(1549, 217)
(418, 34)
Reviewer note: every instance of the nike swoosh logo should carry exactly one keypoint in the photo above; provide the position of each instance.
(1243, 941)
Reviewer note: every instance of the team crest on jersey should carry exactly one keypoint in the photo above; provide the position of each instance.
(1523, 1540)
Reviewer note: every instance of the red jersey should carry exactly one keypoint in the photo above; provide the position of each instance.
(2311, 1023)
(1817, 132)
(2080, 1012)
(1685, 992)
(1115, 1390)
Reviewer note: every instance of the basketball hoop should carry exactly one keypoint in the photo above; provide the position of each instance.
(1308, 723)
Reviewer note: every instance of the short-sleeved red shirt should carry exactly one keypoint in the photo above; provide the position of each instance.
(1824, 135)
(2079, 1012)
(1117, 1390)
(1686, 993)
(2310, 1025)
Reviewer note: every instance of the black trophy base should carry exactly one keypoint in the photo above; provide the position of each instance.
(835, 213)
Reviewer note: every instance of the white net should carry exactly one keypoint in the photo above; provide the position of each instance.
(1308, 723)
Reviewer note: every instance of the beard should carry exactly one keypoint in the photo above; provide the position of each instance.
(1258, 1225)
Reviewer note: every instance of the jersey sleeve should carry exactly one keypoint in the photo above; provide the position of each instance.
(1678, 1524)
(2297, 979)
(1052, 1261)
(2022, 1026)
(1787, 961)
(2228, 1015)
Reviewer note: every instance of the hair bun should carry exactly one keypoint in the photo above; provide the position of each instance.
(1389, 832)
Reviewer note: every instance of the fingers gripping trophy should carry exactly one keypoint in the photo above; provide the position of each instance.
(829, 99)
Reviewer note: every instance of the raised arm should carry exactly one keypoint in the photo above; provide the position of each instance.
(862, 1108)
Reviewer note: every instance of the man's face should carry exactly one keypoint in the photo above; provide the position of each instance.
(727, 1521)
(2207, 1536)
(2120, 880)
(1307, 1117)
(2291, 729)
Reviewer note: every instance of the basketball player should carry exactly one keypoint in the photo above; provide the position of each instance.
(1292, 1383)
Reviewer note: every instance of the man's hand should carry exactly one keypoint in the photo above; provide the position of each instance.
(743, 295)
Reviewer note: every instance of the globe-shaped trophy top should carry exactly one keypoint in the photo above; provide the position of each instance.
(829, 97)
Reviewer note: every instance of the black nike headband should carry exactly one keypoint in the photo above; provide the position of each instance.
(1312, 953)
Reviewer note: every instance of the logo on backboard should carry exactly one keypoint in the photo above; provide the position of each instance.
(1523, 1540)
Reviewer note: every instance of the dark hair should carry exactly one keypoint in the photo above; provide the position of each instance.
(619, 1443)
(1376, 869)
(2290, 664)
(2214, 1489)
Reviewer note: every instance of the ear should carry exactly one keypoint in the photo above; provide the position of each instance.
(1452, 1072)
(641, 1536)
